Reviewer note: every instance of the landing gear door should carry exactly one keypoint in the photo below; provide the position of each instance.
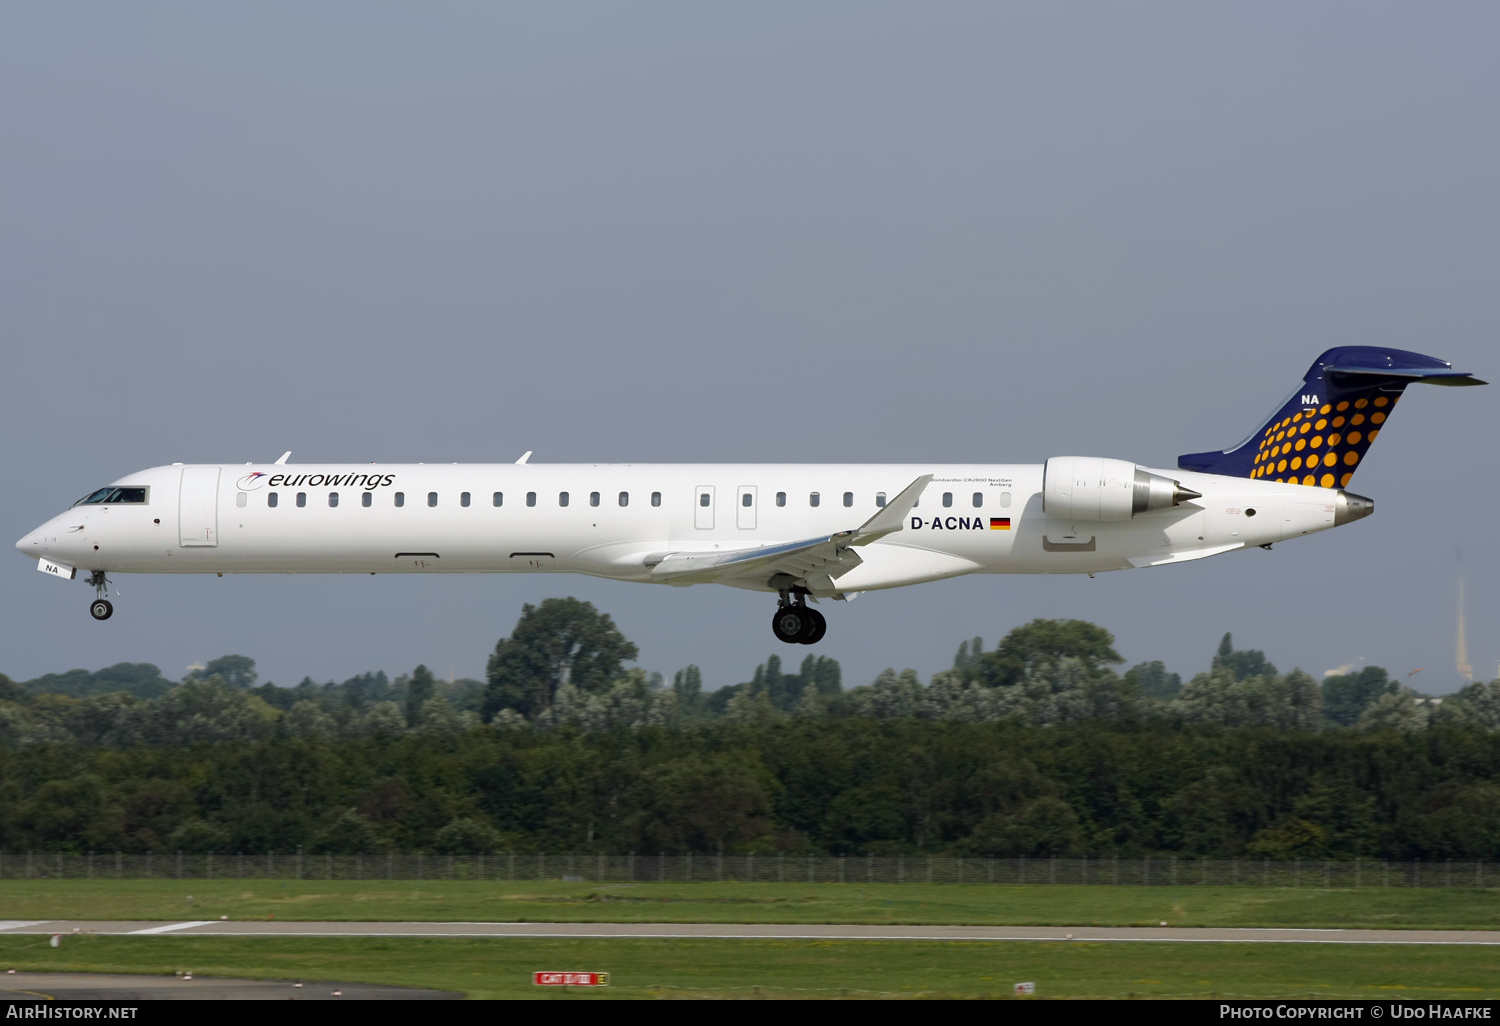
(744, 508)
(198, 507)
(533, 562)
(703, 507)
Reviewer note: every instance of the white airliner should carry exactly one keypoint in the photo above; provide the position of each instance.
(808, 531)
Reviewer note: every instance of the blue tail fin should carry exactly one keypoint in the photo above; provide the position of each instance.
(1323, 430)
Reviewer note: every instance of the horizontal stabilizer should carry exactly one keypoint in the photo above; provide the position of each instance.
(1364, 377)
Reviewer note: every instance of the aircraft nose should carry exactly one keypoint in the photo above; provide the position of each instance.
(30, 545)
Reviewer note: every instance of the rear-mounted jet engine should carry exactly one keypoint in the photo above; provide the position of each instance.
(1091, 488)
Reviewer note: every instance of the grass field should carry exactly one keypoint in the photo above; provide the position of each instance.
(1059, 905)
(501, 968)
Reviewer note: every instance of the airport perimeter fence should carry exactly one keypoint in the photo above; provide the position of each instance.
(853, 869)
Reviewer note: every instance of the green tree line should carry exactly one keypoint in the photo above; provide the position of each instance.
(1038, 746)
(800, 785)
(564, 665)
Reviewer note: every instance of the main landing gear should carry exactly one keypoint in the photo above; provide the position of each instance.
(101, 608)
(795, 623)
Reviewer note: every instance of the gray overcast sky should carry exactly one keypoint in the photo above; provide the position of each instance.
(759, 232)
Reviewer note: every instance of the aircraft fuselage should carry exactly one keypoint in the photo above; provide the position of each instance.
(613, 520)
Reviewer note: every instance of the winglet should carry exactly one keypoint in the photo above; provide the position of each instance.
(524, 457)
(893, 517)
(284, 457)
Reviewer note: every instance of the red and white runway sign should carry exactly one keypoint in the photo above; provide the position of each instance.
(570, 979)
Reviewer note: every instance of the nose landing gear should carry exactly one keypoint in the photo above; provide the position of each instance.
(795, 623)
(101, 608)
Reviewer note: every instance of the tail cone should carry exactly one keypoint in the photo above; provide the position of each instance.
(1181, 495)
(1349, 507)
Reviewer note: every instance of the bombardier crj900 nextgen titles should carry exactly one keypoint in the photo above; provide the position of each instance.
(800, 531)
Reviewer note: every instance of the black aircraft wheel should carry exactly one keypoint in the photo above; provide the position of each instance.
(101, 609)
(817, 626)
(789, 623)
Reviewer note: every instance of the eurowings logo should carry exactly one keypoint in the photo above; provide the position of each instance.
(250, 481)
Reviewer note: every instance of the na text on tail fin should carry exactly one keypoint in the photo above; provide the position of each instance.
(1325, 427)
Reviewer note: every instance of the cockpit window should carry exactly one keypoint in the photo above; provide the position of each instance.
(111, 496)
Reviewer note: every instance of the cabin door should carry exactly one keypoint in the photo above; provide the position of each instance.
(198, 507)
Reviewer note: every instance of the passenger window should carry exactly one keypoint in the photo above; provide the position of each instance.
(814, 499)
(400, 498)
(656, 498)
(1005, 500)
(498, 499)
(947, 498)
(366, 499)
(781, 498)
(624, 498)
(240, 499)
(848, 498)
(593, 498)
(562, 498)
(432, 498)
(978, 499)
(880, 499)
(746, 499)
(333, 499)
(271, 499)
(302, 498)
(463, 499)
(703, 499)
(531, 498)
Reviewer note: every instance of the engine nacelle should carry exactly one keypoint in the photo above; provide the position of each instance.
(1091, 488)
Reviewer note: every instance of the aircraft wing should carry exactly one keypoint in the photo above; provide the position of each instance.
(818, 561)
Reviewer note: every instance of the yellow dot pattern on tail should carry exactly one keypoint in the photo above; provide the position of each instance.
(1331, 457)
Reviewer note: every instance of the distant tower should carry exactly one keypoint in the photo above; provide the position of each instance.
(1464, 669)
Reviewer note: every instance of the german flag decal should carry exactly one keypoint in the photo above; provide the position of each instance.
(999, 523)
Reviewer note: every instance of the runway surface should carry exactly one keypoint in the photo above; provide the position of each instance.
(121, 987)
(262, 928)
